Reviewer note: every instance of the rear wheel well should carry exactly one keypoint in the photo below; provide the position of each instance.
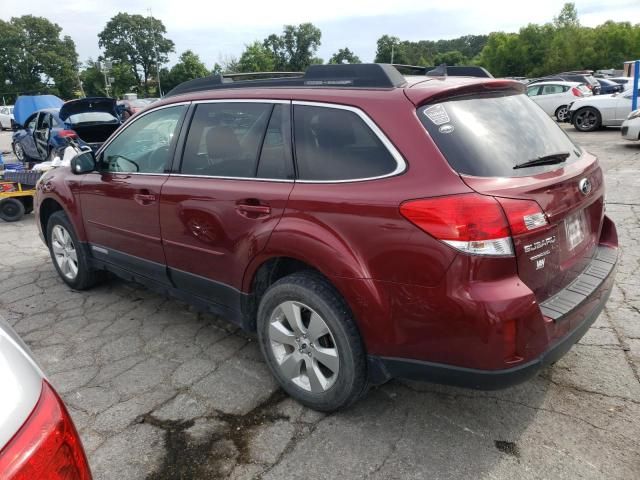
(48, 208)
(267, 274)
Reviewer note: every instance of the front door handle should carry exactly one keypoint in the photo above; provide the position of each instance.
(144, 198)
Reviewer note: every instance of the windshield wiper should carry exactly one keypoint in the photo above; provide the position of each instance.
(550, 159)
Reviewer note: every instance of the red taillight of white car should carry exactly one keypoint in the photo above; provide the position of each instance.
(474, 223)
(576, 92)
(47, 446)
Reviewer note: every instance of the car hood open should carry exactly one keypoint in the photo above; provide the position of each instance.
(28, 104)
(89, 104)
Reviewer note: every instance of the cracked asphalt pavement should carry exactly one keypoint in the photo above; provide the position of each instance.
(159, 391)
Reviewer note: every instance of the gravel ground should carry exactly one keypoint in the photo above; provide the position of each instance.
(159, 391)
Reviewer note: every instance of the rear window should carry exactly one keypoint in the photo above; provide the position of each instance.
(488, 135)
(91, 117)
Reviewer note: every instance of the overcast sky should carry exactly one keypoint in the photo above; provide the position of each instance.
(216, 29)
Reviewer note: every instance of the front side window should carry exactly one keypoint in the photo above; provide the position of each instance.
(145, 146)
(336, 144)
(225, 139)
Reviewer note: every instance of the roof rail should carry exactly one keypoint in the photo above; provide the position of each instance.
(362, 75)
(452, 70)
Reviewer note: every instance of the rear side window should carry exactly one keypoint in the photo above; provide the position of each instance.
(488, 135)
(224, 139)
(336, 144)
(275, 157)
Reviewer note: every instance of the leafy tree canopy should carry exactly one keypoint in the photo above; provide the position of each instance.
(344, 55)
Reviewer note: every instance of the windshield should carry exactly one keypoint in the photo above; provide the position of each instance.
(92, 117)
(488, 135)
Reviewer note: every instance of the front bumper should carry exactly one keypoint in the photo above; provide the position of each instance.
(631, 130)
(585, 297)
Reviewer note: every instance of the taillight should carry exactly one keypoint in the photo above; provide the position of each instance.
(67, 134)
(576, 92)
(469, 222)
(47, 446)
(524, 216)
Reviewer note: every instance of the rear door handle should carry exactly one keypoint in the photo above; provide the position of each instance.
(254, 210)
(144, 198)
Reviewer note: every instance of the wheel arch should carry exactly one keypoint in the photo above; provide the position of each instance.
(48, 206)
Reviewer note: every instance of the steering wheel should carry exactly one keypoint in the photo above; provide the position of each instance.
(157, 160)
(127, 160)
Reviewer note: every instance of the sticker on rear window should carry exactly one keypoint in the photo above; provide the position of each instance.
(437, 114)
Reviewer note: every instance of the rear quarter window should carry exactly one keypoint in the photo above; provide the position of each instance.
(488, 135)
(334, 144)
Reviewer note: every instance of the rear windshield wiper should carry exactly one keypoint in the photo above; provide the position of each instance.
(550, 159)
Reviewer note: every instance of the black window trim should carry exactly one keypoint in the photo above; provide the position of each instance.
(401, 164)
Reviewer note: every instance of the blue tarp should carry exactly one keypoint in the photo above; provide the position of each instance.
(27, 104)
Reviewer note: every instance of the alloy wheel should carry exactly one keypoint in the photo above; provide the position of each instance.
(18, 150)
(586, 120)
(562, 114)
(303, 347)
(64, 251)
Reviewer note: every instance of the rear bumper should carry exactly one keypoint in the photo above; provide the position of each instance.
(586, 296)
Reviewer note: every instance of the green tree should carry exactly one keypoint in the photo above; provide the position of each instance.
(390, 50)
(256, 58)
(344, 55)
(189, 66)
(295, 49)
(137, 41)
(33, 57)
(454, 57)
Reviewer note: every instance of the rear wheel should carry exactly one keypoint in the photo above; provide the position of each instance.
(68, 254)
(587, 119)
(11, 209)
(311, 343)
(562, 113)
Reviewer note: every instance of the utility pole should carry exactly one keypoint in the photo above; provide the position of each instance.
(392, 53)
(155, 49)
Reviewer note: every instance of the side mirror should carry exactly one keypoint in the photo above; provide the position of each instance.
(84, 162)
(14, 126)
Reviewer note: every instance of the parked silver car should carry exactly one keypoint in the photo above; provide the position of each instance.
(37, 437)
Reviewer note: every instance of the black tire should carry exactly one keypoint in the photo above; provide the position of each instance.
(313, 290)
(562, 113)
(86, 277)
(11, 209)
(587, 119)
(19, 152)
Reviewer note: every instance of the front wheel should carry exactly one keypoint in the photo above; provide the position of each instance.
(310, 342)
(18, 150)
(69, 256)
(587, 119)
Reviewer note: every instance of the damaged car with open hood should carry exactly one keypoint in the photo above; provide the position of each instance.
(45, 124)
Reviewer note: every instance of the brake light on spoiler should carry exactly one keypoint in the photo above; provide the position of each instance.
(474, 223)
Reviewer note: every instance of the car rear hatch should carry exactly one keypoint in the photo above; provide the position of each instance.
(502, 145)
(94, 119)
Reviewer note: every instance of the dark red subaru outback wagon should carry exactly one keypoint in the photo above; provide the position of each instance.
(367, 225)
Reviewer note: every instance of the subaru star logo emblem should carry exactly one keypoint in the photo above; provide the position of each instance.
(585, 186)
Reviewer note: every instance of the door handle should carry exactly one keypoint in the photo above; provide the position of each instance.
(144, 198)
(253, 210)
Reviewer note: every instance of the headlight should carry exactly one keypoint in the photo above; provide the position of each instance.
(634, 114)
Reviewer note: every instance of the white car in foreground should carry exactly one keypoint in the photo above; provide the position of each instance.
(38, 439)
(554, 97)
(631, 126)
(589, 114)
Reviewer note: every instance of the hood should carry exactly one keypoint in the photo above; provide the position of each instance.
(28, 104)
(89, 104)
